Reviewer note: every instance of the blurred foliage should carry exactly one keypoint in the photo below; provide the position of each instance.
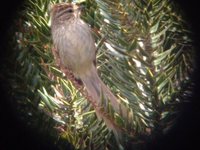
(145, 55)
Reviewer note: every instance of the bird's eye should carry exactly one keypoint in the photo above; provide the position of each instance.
(70, 10)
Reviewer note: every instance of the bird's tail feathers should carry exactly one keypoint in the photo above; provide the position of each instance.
(97, 90)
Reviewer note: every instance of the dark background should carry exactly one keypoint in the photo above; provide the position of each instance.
(15, 134)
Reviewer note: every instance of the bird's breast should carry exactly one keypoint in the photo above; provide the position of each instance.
(75, 44)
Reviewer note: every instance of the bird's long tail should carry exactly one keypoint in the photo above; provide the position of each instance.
(97, 90)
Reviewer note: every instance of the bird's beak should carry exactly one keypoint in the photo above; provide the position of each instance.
(78, 8)
(81, 7)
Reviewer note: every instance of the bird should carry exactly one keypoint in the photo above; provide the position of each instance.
(73, 39)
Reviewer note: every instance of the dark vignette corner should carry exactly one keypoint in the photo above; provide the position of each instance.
(14, 133)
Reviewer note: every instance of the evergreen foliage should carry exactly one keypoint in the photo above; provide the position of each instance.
(145, 55)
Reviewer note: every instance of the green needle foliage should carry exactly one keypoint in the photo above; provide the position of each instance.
(145, 55)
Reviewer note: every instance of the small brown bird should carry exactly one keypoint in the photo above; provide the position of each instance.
(73, 39)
